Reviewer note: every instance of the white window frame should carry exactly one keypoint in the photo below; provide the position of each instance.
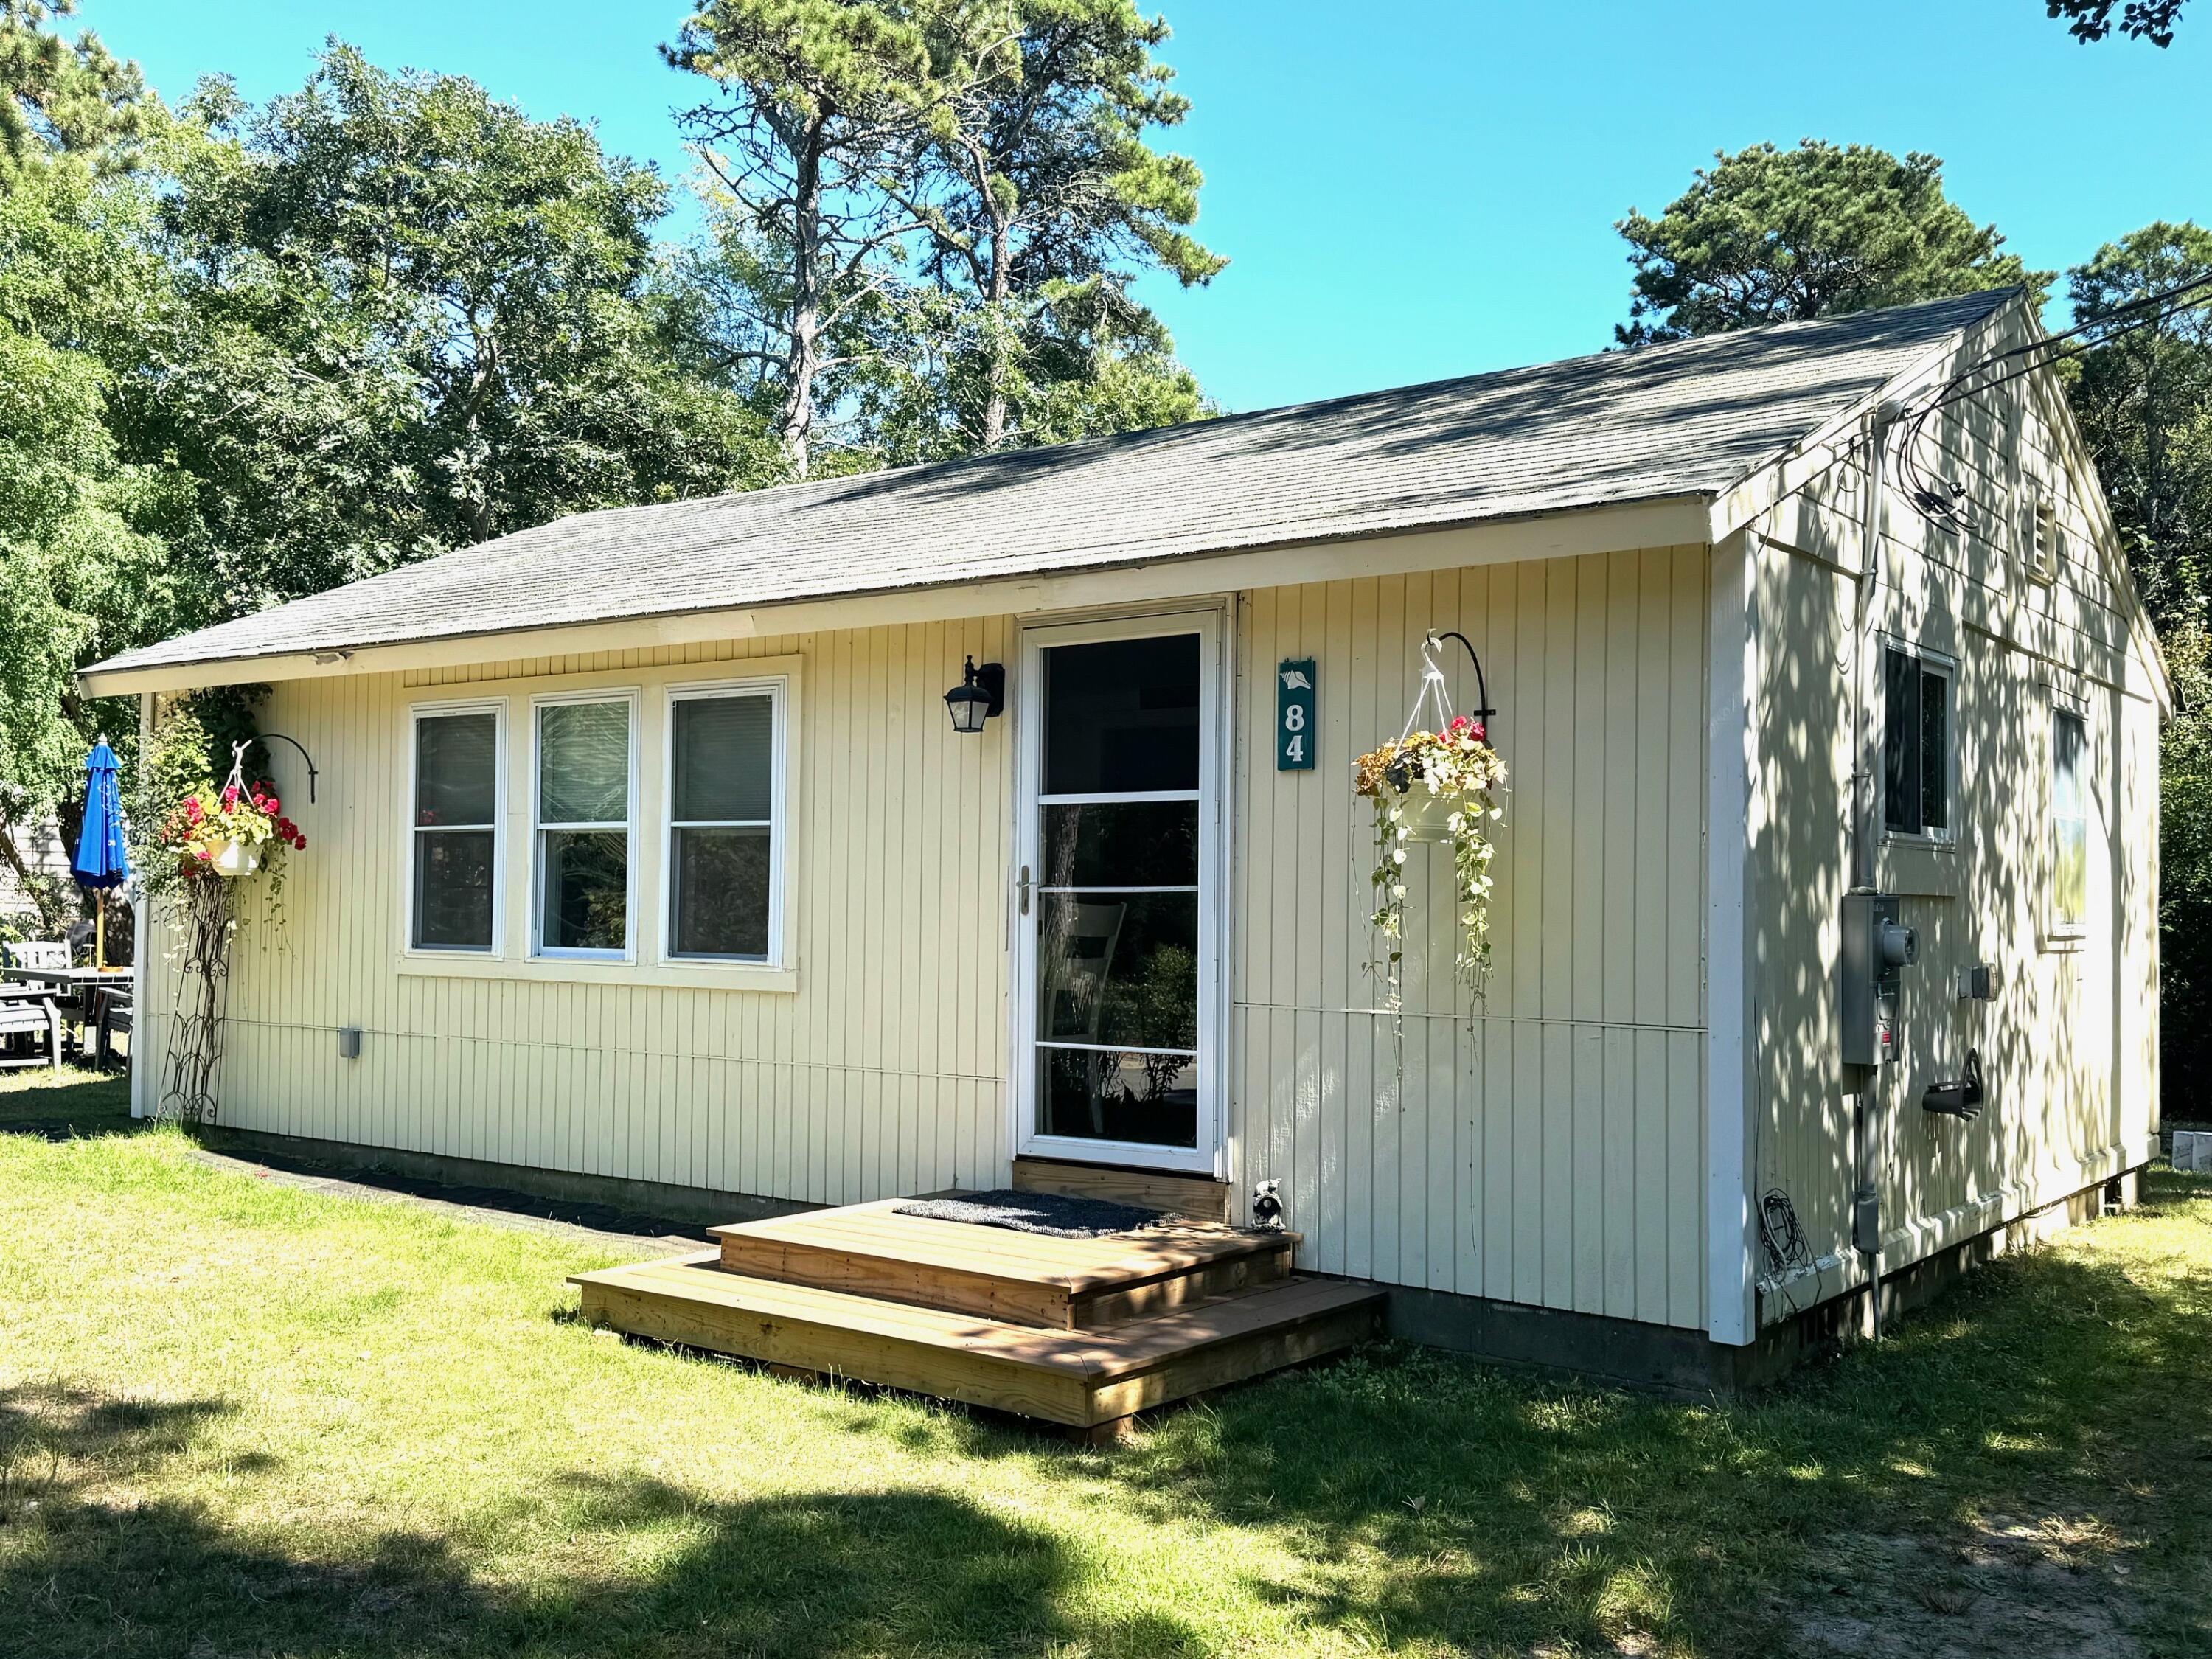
(776, 688)
(1945, 667)
(2063, 932)
(539, 950)
(417, 713)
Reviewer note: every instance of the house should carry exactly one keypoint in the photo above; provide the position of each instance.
(646, 858)
(38, 847)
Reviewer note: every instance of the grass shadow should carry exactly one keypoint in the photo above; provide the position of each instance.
(85, 1570)
(1516, 1511)
(75, 1104)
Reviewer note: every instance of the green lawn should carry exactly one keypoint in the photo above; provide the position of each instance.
(237, 1418)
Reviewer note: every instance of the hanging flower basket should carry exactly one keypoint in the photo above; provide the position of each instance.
(233, 832)
(1435, 786)
(1438, 786)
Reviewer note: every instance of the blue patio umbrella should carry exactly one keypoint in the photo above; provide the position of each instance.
(100, 862)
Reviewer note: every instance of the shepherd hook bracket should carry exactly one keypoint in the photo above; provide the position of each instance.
(1484, 711)
(267, 738)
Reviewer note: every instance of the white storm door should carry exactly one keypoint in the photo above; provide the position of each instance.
(1118, 923)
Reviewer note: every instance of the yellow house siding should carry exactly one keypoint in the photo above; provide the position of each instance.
(1547, 1148)
(885, 1073)
(2068, 1044)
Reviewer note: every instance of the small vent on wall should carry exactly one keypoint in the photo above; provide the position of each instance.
(2040, 537)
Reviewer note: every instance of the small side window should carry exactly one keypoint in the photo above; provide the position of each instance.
(2069, 821)
(1915, 760)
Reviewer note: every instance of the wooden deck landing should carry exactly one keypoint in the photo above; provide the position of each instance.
(1083, 1331)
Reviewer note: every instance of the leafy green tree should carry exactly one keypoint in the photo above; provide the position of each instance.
(406, 318)
(813, 138)
(1768, 236)
(59, 98)
(928, 217)
(2144, 400)
(1051, 200)
(78, 575)
(2185, 897)
(2088, 21)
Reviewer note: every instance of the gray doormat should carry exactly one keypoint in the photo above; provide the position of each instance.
(1054, 1214)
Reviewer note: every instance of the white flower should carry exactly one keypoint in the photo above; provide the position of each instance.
(1398, 855)
(1398, 891)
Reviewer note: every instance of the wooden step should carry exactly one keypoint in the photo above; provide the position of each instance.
(996, 1273)
(1198, 1197)
(1082, 1378)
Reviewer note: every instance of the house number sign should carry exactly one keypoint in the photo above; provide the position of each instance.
(1294, 716)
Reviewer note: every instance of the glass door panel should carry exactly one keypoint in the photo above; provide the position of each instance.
(1120, 940)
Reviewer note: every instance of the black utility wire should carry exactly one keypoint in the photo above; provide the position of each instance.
(1937, 499)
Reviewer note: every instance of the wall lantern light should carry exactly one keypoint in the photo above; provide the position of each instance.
(981, 693)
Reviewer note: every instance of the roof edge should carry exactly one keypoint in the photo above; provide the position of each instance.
(1670, 520)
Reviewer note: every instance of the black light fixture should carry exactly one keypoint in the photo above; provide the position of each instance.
(981, 693)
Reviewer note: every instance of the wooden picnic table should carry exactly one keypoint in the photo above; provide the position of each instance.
(73, 979)
(89, 985)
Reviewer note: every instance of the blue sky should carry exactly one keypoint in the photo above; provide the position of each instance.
(1432, 192)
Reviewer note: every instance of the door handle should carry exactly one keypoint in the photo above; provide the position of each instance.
(1022, 887)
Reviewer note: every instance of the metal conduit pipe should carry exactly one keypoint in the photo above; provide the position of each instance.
(1869, 1125)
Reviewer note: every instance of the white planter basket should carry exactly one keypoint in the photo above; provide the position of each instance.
(237, 858)
(1425, 816)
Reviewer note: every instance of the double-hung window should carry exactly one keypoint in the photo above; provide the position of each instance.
(724, 834)
(1916, 748)
(583, 796)
(453, 889)
(2069, 821)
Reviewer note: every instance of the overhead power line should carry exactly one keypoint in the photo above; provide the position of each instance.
(1940, 499)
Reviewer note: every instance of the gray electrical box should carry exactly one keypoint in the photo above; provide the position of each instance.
(1877, 947)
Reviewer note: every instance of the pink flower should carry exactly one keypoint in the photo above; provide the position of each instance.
(272, 805)
(192, 809)
(1478, 733)
(203, 854)
(1460, 724)
(229, 796)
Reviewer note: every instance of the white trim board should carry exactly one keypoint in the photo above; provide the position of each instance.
(1212, 624)
(1732, 747)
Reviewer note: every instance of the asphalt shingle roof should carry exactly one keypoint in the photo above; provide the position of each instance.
(1692, 419)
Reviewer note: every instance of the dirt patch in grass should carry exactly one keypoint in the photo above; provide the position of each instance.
(2055, 1587)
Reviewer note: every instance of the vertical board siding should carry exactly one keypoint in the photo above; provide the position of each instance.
(885, 1073)
(2068, 1046)
(1546, 1145)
